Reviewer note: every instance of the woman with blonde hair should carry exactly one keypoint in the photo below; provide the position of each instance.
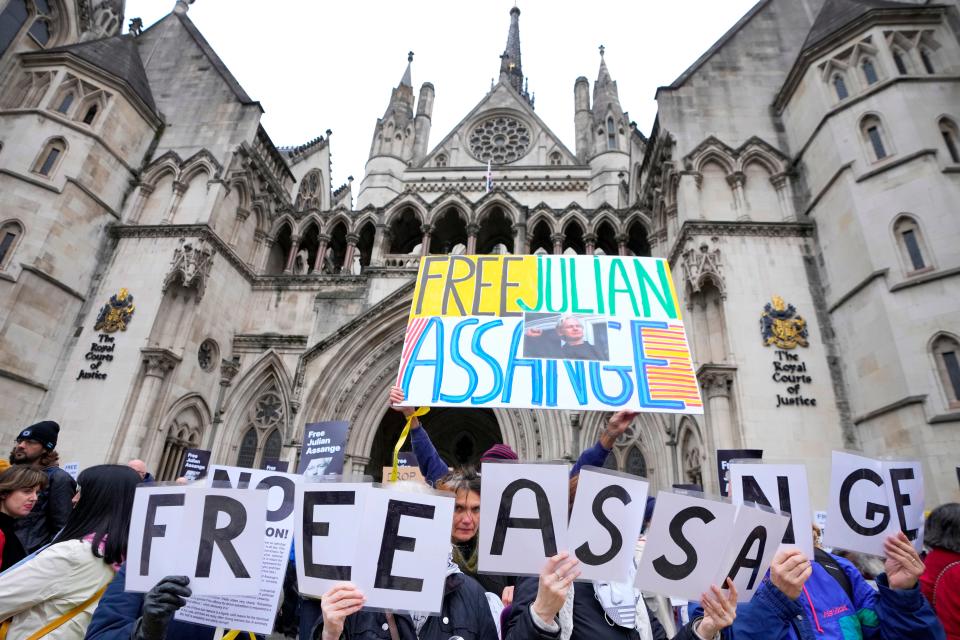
(19, 489)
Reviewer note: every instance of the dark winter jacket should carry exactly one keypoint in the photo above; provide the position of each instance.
(464, 613)
(11, 551)
(51, 511)
(117, 615)
(825, 612)
(589, 620)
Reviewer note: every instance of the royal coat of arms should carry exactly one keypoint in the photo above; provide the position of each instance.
(781, 326)
(115, 315)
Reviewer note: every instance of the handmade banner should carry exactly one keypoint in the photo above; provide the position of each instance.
(872, 499)
(195, 463)
(782, 487)
(725, 457)
(605, 523)
(253, 613)
(323, 449)
(212, 536)
(566, 332)
(73, 468)
(526, 516)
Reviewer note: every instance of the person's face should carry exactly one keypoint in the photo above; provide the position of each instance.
(26, 451)
(466, 516)
(139, 468)
(20, 502)
(571, 330)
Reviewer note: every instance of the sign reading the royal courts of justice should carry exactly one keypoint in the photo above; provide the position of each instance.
(563, 332)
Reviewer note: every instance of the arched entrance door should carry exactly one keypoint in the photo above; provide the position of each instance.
(461, 435)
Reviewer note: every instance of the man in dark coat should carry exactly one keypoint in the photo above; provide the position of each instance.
(35, 447)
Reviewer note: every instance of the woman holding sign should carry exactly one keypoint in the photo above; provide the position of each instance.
(54, 593)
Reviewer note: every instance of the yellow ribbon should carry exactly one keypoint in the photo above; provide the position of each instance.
(403, 438)
(232, 635)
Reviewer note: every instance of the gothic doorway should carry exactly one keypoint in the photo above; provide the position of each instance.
(461, 435)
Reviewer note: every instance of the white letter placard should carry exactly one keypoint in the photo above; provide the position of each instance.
(685, 543)
(213, 536)
(783, 487)
(751, 545)
(405, 541)
(524, 521)
(327, 516)
(872, 499)
(605, 523)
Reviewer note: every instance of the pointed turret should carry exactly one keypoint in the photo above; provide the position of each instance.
(511, 68)
(394, 134)
(608, 116)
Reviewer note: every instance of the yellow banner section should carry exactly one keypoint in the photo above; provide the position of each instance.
(475, 285)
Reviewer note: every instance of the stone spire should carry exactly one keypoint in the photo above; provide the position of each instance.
(605, 96)
(511, 68)
(406, 79)
(401, 100)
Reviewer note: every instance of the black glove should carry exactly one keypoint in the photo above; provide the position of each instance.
(159, 605)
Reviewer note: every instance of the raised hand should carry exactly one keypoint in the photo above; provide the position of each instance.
(903, 564)
(395, 398)
(789, 570)
(719, 610)
(340, 601)
(555, 580)
(617, 424)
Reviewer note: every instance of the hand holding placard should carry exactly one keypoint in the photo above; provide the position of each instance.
(789, 571)
(903, 565)
(340, 601)
(555, 581)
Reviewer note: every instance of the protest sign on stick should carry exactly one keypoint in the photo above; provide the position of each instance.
(326, 518)
(782, 487)
(213, 536)
(323, 449)
(872, 499)
(565, 332)
(253, 613)
(195, 463)
(406, 545)
(526, 516)
(605, 523)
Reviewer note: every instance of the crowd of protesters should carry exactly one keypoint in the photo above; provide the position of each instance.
(63, 544)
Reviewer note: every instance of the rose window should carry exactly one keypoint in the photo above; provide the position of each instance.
(500, 140)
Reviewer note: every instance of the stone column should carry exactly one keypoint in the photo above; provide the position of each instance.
(179, 188)
(294, 247)
(228, 371)
(736, 182)
(425, 245)
(263, 248)
(242, 215)
(591, 242)
(784, 187)
(321, 253)
(138, 202)
(520, 238)
(157, 364)
(622, 244)
(472, 231)
(355, 464)
(717, 383)
(352, 240)
(380, 242)
(557, 239)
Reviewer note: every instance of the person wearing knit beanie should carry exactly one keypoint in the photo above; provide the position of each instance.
(499, 452)
(45, 433)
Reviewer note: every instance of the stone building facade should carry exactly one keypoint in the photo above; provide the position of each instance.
(170, 278)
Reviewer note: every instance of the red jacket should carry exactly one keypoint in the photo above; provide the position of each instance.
(947, 603)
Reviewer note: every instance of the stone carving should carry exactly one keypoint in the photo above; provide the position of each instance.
(701, 264)
(191, 265)
(781, 326)
(500, 140)
(301, 263)
(115, 315)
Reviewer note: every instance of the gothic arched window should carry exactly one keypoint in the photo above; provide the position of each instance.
(17, 14)
(927, 60)
(555, 158)
(840, 86)
(869, 71)
(611, 134)
(247, 456)
(50, 157)
(10, 234)
(273, 446)
(946, 352)
(441, 160)
(310, 185)
(636, 463)
(912, 246)
(91, 114)
(899, 61)
(66, 102)
(948, 131)
(872, 131)
(691, 454)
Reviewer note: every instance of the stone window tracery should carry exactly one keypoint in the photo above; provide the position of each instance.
(309, 195)
(501, 140)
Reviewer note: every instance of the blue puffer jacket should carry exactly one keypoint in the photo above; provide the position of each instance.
(118, 611)
(825, 612)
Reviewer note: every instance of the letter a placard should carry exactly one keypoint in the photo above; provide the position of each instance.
(213, 536)
(526, 521)
(872, 499)
(605, 523)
